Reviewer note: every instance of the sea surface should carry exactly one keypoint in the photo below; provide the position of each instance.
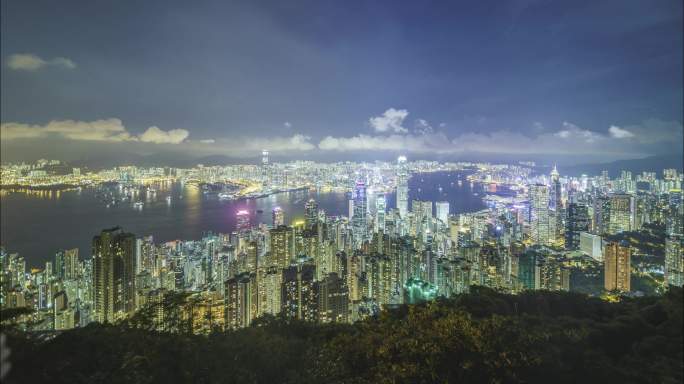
(38, 224)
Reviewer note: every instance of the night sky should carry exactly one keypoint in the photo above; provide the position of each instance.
(344, 79)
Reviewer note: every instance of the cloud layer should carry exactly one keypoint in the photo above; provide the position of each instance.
(98, 130)
(31, 62)
(648, 138)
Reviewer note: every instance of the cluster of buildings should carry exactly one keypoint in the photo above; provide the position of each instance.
(343, 268)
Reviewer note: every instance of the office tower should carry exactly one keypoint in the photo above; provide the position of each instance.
(243, 219)
(402, 186)
(311, 214)
(113, 274)
(621, 213)
(265, 174)
(674, 260)
(539, 214)
(300, 292)
(577, 222)
(422, 211)
(555, 206)
(71, 267)
(333, 299)
(360, 219)
(590, 245)
(601, 219)
(281, 246)
(442, 210)
(278, 217)
(617, 267)
(380, 211)
(351, 210)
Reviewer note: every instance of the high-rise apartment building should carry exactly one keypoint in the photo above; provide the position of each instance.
(617, 261)
(113, 274)
(674, 260)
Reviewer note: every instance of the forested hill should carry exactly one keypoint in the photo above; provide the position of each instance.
(481, 337)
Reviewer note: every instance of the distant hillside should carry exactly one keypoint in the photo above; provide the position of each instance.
(481, 337)
(650, 164)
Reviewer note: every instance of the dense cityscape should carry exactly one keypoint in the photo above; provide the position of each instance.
(607, 237)
(336, 192)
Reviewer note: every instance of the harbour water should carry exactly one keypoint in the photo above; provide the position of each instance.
(38, 224)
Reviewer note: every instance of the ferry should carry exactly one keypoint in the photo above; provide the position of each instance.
(168, 199)
(138, 204)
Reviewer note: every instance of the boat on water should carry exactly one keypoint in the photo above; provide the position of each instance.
(225, 196)
(168, 199)
(138, 204)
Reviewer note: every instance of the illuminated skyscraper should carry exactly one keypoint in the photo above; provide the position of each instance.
(113, 274)
(278, 217)
(539, 214)
(241, 299)
(402, 186)
(674, 260)
(442, 210)
(360, 219)
(281, 246)
(555, 206)
(333, 299)
(577, 222)
(621, 213)
(71, 265)
(311, 214)
(380, 211)
(300, 293)
(617, 267)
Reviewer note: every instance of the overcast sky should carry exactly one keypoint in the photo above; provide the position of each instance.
(335, 79)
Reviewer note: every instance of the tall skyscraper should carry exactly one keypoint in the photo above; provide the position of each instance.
(674, 260)
(539, 214)
(555, 206)
(113, 274)
(71, 267)
(442, 210)
(380, 211)
(402, 186)
(311, 214)
(577, 221)
(621, 213)
(422, 211)
(617, 261)
(243, 220)
(281, 246)
(300, 292)
(278, 217)
(360, 219)
(333, 299)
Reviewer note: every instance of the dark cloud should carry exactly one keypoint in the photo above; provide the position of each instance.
(479, 75)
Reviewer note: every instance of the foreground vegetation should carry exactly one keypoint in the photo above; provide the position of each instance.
(481, 337)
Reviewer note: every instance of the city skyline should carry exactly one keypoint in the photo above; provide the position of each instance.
(328, 191)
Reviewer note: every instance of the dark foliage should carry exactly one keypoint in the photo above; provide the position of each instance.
(481, 337)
